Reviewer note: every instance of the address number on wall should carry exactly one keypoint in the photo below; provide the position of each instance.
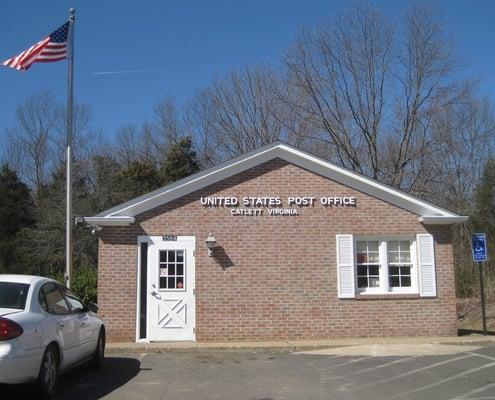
(170, 238)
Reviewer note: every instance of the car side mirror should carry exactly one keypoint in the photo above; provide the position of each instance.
(92, 307)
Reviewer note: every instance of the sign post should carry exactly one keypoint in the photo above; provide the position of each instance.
(480, 256)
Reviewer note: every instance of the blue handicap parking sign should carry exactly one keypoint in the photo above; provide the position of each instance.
(479, 247)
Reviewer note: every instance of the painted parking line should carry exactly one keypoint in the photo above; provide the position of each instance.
(442, 381)
(348, 362)
(468, 395)
(404, 359)
(415, 371)
(481, 355)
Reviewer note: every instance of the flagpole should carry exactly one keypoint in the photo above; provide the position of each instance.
(70, 120)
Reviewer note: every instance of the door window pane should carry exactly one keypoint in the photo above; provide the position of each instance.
(172, 269)
(75, 303)
(55, 300)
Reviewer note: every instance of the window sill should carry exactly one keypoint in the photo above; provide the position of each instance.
(387, 296)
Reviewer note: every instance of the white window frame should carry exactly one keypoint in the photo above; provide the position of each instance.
(384, 287)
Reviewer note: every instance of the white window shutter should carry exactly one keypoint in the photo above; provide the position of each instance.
(345, 267)
(426, 265)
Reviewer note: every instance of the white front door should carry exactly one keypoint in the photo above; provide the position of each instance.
(171, 282)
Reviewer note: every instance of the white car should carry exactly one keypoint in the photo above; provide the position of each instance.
(44, 330)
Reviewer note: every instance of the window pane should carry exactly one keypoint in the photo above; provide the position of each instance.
(362, 258)
(180, 269)
(13, 295)
(42, 301)
(163, 283)
(393, 245)
(373, 246)
(180, 283)
(393, 257)
(163, 271)
(394, 281)
(362, 270)
(171, 269)
(362, 282)
(373, 257)
(361, 247)
(405, 281)
(373, 269)
(405, 270)
(171, 256)
(404, 245)
(180, 256)
(55, 300)
(405, 257)
(374, 281)
(171, 283)
(75, 303)
(163, 256)
(394, 271)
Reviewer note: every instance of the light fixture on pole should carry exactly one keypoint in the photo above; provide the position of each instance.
(210, 243)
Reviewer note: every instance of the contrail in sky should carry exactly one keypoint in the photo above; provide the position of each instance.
(132, 71)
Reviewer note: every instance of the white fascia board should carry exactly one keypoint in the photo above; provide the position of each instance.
(286, 152)
(200, 181)
(441, 220)
(362, 183)
(110, 221)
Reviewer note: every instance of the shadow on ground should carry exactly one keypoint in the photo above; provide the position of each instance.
(84, 382)
(465, 332)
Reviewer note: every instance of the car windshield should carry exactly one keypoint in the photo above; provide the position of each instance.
(13, 295)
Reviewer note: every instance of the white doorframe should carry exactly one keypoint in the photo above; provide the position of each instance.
(158, 240)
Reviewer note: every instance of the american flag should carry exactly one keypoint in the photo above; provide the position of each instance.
(52, 48)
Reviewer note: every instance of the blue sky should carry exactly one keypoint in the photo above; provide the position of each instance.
(183, 44)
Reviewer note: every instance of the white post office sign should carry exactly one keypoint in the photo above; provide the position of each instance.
(254, 206)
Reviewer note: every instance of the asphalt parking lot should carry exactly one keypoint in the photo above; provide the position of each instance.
(276, 374)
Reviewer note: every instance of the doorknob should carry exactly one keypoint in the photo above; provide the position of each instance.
(154, 293)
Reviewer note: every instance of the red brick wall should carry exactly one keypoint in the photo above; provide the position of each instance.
(282, 282)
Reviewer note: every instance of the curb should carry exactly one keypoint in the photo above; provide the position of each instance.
(287, 346)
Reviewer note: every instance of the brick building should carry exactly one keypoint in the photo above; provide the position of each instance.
(300, 249)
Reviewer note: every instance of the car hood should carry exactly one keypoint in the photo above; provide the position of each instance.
(7, 311)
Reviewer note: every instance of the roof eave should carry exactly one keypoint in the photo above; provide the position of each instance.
(110, 221)
(443, 219)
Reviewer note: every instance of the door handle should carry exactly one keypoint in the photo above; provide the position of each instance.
(155, 294)
(61, 325)
(83, 323)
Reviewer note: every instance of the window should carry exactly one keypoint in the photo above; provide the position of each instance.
(368, 264)
(399, 263)
(385, 265)
(13, 295)
(42, 300)
(55, 301)
(172, 269)
(76, 304)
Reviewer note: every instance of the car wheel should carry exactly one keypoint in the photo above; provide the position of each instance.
(47, 381)
(99, 355)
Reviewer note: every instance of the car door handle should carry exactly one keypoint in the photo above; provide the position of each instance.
(83, 323)
(61, 325)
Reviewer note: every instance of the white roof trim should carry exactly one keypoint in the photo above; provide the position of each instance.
(110, 221)
(286, 152)
(441, 220)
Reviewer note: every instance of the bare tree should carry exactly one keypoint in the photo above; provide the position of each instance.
(28, 146)
(237, 114)
(372, 89)
(168, 124)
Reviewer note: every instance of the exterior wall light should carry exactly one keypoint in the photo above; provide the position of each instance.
(210, 243)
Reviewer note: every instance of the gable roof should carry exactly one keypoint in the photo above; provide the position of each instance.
(124, 214)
